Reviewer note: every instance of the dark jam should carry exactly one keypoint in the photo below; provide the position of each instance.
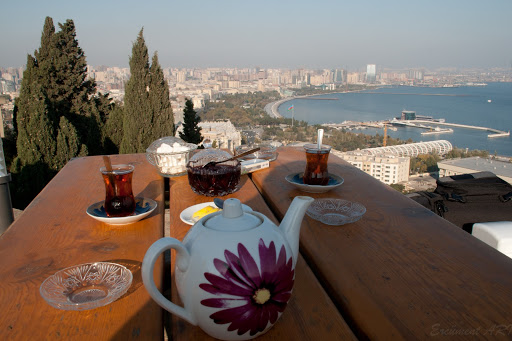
(316, 168)
(119, 200)
(216, 180)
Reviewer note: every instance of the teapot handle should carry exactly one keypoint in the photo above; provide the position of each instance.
(148, 265)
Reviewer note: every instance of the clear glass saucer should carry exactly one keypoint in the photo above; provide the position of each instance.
(86, 286)
(335, 211)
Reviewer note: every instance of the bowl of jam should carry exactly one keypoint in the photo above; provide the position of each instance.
(213, 180)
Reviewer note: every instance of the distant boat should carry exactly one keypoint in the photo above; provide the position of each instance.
(489, 101)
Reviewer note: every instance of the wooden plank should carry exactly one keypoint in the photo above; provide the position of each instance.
(310, 314)
(401, 272)
(55, 232)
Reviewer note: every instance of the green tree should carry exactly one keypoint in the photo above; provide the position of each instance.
(136, 99)
(68, 143)
(163, 118)
(72, 90)
(113, 130)
(34, 164)
(57, 117)
(36, 134)
(191, 130)
(147, 110)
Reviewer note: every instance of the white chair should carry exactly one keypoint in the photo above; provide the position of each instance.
(497, 234)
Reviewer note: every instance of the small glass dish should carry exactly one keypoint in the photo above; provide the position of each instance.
(266, 152)
(335, 211)
(215, 180)
(86, 286)
(170, 155)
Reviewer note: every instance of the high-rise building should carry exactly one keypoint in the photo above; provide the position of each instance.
(338, 76)
(371, 74)
(181, 77)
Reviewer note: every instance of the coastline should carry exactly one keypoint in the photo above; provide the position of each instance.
(272, 109)
(465, 106)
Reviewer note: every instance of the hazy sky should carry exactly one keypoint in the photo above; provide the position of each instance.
(273, 33)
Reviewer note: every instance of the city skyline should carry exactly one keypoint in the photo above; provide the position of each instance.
(284, 34)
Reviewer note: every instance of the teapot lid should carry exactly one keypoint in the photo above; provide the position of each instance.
(233, 218)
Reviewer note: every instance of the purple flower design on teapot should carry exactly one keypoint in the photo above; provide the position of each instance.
(250, 297)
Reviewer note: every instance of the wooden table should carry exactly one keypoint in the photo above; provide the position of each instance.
(401, 272)
(55, 232)
(310, 314)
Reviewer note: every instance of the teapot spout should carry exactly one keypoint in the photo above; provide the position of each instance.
(292, 221)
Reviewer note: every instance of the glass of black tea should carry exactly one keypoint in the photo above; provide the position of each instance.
(119, 200)
(316, 164)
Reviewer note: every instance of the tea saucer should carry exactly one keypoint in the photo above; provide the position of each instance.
(143, 207)
(186, 214)
(296, 179)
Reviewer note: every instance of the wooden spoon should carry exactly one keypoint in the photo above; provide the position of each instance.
(111, 175)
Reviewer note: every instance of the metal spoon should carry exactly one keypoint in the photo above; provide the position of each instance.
(213, 163)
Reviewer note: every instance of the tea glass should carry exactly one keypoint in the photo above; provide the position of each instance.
(119, 199)
(316, 164)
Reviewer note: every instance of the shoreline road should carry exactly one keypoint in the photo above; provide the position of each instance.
(271, 108)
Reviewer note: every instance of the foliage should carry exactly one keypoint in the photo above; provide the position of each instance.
(424, 163)
(36, 132)
(68, 144)
(457, 153)
(399, 187)
(191, 130)
(243, 110)
(57, 115)
(147, 111)
(113, 130)
(136, 100)
(163, 118)
(9, 146)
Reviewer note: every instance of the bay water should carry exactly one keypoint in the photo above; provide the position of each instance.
(486, 106)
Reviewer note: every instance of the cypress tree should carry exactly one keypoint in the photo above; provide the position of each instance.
(71, 90)
(34, 165)
(136, 100)
(147, 109)
(68, 143)
(36, 135)
(55, 117)
(113, 130)
(160, 103)
(191, 130)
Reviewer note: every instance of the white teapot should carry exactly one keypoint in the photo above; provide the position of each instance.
(234, 270)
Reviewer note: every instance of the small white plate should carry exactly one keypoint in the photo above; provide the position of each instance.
(186, 214)
(143, 207)
(296, 179)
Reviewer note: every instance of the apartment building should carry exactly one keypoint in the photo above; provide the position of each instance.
(387, 168)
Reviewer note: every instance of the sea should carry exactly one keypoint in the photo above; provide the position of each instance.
(485, 106)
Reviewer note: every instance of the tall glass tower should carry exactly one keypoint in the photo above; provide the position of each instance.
(371, 74)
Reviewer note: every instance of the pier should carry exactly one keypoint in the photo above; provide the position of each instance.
(422, 124)
(495, 132)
